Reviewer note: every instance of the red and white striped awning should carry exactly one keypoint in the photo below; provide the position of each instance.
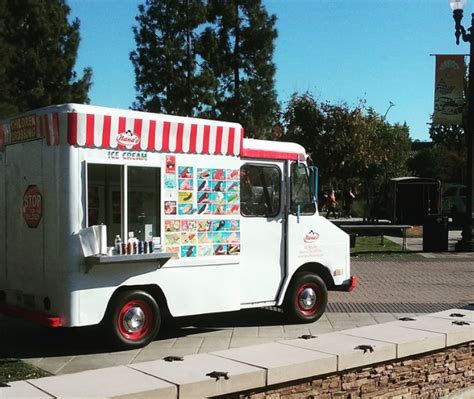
(94, 127)
(47, 127)
(98, 127)
(177, 135)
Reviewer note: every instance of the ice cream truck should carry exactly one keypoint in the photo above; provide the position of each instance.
(192, 218)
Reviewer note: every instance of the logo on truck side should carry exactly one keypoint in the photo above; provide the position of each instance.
(128, 139)
(311, 237)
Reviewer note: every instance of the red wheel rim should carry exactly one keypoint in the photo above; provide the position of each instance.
(308, 299)
(134, 320)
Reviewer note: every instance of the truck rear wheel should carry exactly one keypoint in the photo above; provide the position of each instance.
(133, 319)
(306, 298)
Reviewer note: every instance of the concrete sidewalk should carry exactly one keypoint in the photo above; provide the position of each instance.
(387, 290)
(285, 361)
(67, 351)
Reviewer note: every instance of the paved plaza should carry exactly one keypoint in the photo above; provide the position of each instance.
(386, 291)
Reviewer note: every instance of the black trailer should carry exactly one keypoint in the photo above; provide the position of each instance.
(412, 199)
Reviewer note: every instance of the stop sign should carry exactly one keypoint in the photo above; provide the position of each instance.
(32, 206)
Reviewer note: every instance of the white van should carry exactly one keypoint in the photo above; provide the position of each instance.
(236, 219)
(454, 199)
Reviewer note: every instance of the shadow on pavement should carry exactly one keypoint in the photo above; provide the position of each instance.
(21, 339)
(258, 317)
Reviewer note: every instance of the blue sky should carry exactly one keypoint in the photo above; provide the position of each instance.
(340, 50)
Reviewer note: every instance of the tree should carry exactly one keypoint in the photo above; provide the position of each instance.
(439, 162)
(39, 50)
(167, 75)
(303, 121)
(445, 159)
(238, 48)
(5, 108)
(346, 142)
(452, 137)
(450, 143)
(350, 145)
(207, 58)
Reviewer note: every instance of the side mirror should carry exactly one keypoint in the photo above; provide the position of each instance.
(314, 183)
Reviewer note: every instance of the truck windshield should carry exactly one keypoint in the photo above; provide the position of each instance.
(301, 190)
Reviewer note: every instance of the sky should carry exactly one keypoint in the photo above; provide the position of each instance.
(339, 50)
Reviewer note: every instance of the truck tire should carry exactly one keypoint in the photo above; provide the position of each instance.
(133, 319)
(306, 298)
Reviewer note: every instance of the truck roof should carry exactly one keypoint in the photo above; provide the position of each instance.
(253, 148)
(111, 128)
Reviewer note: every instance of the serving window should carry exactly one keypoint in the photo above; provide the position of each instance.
(143, 202)
(125, 199)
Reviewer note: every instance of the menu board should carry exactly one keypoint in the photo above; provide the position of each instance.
(202, 208)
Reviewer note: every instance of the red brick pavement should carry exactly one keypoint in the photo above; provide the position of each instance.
(413, 286)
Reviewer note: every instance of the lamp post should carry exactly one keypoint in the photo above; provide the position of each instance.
(388, 109)
(466, 243)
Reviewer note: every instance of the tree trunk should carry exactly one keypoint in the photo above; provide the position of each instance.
(236, 57)
(189, 102)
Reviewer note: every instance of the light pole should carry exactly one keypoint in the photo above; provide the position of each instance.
(388, 109)
(466, 243)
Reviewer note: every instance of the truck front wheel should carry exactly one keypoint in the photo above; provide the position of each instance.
(306, 298)
(133, 319)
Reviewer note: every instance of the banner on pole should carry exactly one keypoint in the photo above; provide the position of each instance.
(449, 90)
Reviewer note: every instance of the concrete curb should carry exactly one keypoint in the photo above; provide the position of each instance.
(253, 367)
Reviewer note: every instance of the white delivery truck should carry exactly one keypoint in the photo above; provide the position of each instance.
(236, 220)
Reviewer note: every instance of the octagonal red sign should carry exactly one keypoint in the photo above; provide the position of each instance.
(32, 206)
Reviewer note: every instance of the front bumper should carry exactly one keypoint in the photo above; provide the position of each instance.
(348, 285)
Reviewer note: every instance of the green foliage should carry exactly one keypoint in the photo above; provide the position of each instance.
(439, 162)
(238, 49)
(207, 58)
(167, 78)
(303, 121)
(446, 159)
(349, 144)
(451, 137)
(39, 49)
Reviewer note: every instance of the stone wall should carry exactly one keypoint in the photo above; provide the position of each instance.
(432, 375)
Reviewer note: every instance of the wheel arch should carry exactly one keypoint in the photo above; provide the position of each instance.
(311, 267)
(153, 289)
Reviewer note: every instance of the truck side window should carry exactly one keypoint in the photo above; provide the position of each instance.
(260, 187)
(104, 200)
(143, 201)
(105, 191)
(301, 190)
